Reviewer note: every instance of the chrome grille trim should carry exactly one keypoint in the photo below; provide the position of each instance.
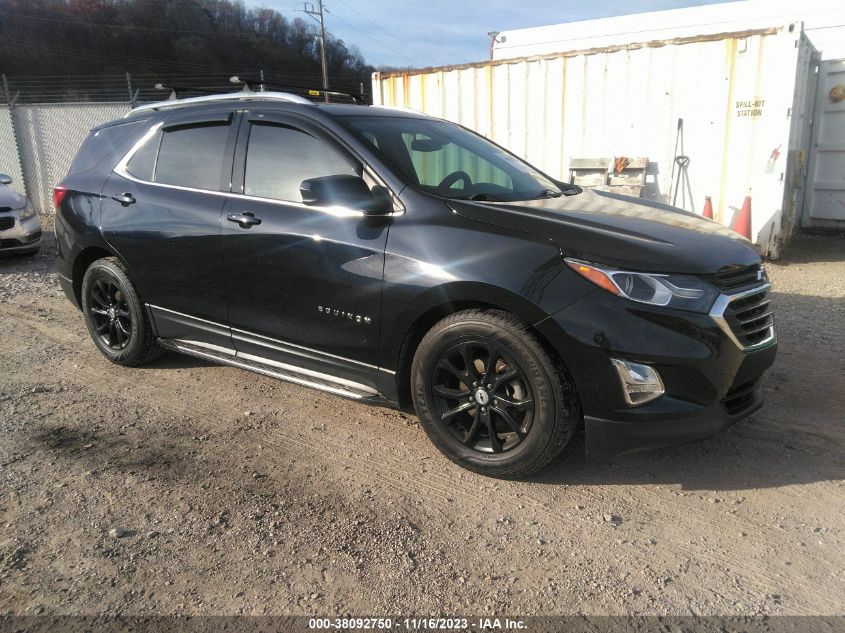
(724, 301)
(757, 317)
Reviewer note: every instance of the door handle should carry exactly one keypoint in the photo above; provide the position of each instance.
(124, 198)
(245, 219)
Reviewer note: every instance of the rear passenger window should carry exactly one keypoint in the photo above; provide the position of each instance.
(192, 156)
(279, 158)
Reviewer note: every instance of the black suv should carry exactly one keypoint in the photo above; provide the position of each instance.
(395, 258)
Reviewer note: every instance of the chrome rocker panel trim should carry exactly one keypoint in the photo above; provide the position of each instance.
(262, 366)
(237, 333)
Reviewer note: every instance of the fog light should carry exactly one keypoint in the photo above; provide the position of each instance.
(640, 383)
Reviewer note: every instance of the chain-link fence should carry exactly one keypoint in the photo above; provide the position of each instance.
(48, 137)
(10, 160)
(142, 88)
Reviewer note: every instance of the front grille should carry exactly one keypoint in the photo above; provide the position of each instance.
(6, 222)
(741, 397)
(750, 317)
(732, 277)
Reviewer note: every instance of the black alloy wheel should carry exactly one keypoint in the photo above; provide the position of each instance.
(490, 396)
(110, 312)
(115, 314)
(483, 396)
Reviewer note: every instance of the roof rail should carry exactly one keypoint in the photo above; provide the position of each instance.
(401, 109)
(241, 95)
(252, 84)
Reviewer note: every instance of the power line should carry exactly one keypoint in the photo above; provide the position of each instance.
(370, 37)
(24, 47)
(128, 26)
(132, 59)
(385, 31)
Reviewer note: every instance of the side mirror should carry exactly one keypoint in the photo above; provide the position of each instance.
(346, 191)
(5, 179)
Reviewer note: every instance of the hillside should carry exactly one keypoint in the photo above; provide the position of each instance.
(82, 49)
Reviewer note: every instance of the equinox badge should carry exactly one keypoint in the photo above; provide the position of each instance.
(358, 318)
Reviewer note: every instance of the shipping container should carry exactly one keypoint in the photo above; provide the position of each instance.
(738, 104)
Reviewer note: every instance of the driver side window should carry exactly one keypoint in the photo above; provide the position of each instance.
(279, 158)
(434, 162)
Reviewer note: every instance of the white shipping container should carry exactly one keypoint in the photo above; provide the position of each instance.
(745, 99)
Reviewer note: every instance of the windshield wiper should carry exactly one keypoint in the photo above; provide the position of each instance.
(481, 196)
(548, 193)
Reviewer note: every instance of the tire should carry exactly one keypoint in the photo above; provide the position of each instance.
(115, 315)
(532, 388)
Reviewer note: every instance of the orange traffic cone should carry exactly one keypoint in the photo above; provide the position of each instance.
(742, 225)
(708, 208)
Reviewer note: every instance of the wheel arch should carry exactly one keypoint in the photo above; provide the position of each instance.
(438, 303)
(83, 260)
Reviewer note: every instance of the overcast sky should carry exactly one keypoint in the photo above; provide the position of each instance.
(441, 32)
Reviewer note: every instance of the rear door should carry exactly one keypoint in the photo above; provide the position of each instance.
(304, 284)
(162, 211)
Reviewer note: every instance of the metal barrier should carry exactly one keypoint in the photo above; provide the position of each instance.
(10, 160)
(48, 136)
(38, 143)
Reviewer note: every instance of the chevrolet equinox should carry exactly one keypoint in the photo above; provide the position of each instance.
(394, 258)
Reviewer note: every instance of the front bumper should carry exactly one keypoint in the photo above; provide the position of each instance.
(22, 237)
(608, 438)
(710, 381)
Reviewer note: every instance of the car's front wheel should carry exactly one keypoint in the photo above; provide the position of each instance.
(490, 396)
(115, 315)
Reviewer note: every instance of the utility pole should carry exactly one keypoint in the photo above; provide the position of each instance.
(317, 14)
(493, 41)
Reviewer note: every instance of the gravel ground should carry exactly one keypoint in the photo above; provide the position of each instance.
(189, 488)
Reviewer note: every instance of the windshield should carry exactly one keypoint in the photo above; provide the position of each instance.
(445, 159)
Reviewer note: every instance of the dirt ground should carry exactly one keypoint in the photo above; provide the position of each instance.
(238, 494)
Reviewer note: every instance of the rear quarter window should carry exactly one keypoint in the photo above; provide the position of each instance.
(99, 144)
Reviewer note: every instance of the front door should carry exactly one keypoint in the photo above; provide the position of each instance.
(304, 283)
(161, 212)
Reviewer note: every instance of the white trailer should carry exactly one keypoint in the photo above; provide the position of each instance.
(745, 97)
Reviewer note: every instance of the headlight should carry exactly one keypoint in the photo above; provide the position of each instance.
(683, 292)
(27, 212)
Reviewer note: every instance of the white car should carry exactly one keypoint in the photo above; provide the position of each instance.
(20, 226)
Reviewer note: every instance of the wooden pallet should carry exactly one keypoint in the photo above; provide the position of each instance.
(598, 173)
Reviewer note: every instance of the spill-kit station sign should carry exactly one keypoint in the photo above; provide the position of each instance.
(750, 107)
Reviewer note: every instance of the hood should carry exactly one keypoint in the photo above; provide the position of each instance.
(620, 231)
(10, 199)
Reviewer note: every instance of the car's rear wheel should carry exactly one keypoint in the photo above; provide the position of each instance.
(489, 395)
(115, 315)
